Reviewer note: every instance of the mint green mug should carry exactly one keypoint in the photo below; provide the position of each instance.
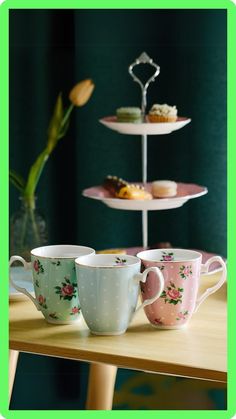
(54, 280)
(108, 287)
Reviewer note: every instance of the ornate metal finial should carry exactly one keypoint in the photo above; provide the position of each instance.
(144, 59)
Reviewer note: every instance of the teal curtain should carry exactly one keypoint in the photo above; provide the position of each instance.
(50, 50)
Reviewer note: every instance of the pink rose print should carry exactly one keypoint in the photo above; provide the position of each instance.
(142, 287)
(68, 289)
(38, 267)
(75, 310)
(172, 295)
(182, 315)
(185, 271)
(158, 321)
(42, 301)
(167, 256)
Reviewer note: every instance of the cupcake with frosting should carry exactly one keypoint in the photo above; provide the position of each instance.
(162, 113)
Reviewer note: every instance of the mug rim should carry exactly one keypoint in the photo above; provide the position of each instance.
(198, 255)
(109, 255)
(33, 251)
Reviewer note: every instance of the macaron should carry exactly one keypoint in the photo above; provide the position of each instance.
(164, 188)
(129, 114)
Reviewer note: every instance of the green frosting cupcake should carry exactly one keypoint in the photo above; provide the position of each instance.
(129, 114)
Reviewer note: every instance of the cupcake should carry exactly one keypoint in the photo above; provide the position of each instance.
(164, 188)
(129, 114)
(162, 113)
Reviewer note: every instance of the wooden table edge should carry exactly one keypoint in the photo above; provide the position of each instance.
(121, 361)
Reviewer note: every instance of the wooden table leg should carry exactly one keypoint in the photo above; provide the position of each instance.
(101, 385)
(13, 359)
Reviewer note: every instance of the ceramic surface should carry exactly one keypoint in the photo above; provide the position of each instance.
(145, 127)
(108, 287)
(181, 270)
(54, 281)
(185, 191)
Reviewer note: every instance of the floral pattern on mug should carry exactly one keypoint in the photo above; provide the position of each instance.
(68, 289)
(185, 271)
(42, 301)
(120, 261)
(58, 263)
(142, 287)
(182, 315)
(167, 256)
(158, 321)
(38, 267)
(172, 295)
(37, 283)
(75, 310)
(53, 316)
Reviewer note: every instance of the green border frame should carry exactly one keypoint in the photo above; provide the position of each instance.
(4, 206)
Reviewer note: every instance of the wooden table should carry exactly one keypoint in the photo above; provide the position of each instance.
(198, 351)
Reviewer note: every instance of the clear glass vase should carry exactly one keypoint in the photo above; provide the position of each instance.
(28, 229)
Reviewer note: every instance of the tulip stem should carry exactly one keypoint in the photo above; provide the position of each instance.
(67, 114)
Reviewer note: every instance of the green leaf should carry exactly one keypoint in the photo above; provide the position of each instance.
(68, 297)
(34, 174)
(17, 180)
(55, 125)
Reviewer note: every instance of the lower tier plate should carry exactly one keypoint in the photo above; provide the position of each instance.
(185, 191)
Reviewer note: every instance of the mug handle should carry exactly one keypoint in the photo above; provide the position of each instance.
(143, 277)
(209, 291)
(27, 266)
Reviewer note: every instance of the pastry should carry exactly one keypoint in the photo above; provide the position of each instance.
(162, 113)
(113, 251)
(129, 114)
(164, 188)
(124, 190)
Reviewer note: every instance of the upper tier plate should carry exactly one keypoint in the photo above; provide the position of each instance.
(185, 191)
(148, 128)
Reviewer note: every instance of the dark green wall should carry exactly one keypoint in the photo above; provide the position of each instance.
(190, 47)
(52, 50)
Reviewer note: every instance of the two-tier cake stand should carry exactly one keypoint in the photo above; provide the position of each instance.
(184, 191)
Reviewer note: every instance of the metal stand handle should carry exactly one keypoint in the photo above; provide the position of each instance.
(144, 59)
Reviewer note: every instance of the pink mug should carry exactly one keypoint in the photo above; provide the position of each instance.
(181, 270)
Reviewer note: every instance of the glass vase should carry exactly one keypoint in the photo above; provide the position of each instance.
(28, 229)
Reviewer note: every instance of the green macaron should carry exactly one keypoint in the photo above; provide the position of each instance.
(129, 114)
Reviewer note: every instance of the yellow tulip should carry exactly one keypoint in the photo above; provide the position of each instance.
(81, 92)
